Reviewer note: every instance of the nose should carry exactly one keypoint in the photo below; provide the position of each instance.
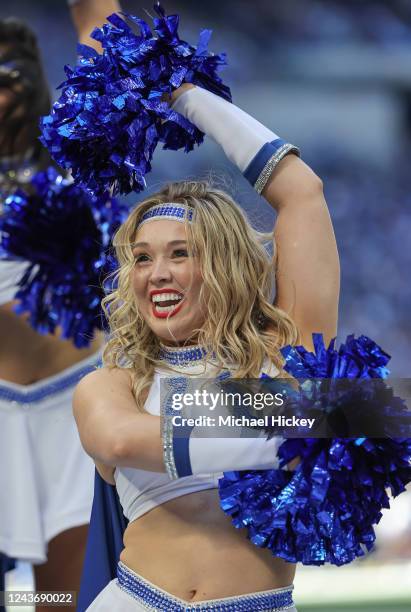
(160, 271)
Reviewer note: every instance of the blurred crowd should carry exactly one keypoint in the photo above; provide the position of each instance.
(322, 21)
(369, 202)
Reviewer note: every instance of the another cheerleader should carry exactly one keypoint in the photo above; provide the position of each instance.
(45, 476)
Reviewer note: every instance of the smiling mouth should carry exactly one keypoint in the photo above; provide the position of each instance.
(166, 304)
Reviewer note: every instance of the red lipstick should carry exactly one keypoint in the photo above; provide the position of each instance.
(166, 313)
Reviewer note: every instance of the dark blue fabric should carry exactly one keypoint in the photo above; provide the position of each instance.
(6, 564)
(255, 167)
(181, 451)
(104, 542)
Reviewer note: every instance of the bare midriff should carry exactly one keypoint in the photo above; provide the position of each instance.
(189, 548)
(27, 357)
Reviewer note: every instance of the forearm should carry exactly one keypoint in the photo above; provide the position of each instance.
(133, 441)
(89, 14)
(258, 152)
(188, 453)
(253, 148)
(138, 443)
(211, 455)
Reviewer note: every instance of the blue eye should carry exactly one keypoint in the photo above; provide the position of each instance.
(180, 253)
(142, 257)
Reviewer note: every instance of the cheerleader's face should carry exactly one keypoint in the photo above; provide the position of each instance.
(167, 281)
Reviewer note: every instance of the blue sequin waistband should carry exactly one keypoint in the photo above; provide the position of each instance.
(157, 600)
(55, 384)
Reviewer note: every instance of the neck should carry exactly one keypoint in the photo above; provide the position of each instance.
(188, 342)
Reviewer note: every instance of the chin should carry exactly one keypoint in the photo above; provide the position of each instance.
(171, 332)
(174, 336)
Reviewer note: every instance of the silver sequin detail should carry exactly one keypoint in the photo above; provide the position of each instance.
(167, 435)
(177, 384)
(266, 172)
(157, 600)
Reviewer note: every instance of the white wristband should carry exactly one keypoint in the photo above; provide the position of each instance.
(245, 141)
(228, 454)
(190, 455)
(240, 135)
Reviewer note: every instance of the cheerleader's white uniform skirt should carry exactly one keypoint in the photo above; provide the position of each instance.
(129, 592)
(46, 478)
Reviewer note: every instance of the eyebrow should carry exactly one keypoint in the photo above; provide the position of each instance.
(146, 244)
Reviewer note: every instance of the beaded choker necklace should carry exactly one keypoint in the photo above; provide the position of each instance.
(184, 356)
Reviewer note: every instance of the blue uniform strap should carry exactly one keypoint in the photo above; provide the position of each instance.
(263, 163)
(176, 443)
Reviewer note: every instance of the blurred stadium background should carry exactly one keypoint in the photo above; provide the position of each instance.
(334, 77)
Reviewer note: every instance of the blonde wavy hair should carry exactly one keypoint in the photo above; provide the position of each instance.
(242, 326)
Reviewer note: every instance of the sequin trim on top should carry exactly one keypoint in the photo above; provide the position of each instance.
(153, 598)
(168, 210)
(185, 358)
(177, 384)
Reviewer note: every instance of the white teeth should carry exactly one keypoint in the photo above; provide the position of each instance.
(166, 308)
(164, 297)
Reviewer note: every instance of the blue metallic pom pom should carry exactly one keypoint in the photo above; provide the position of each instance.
(356, 358)
(65, 235)
(112, 112)
(325, 510)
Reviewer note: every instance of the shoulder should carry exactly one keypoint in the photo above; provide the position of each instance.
(101, 377)
(103, 384)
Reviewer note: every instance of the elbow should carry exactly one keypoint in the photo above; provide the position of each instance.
(108, 448)
(116, 451)
(318, 184)
(297, 188)
(307, 183)
(312, 187)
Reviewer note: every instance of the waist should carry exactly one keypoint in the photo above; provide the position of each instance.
(27, 357)
(50, 385)
(156, 598)
(189, 544)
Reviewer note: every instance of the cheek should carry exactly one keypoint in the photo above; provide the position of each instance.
(138, 283)
(198, 289)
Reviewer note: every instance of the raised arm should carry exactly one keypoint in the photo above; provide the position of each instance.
(89, 14)
(307, 271)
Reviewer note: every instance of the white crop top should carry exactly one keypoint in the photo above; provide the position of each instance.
(139, 490)
(10, 274)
